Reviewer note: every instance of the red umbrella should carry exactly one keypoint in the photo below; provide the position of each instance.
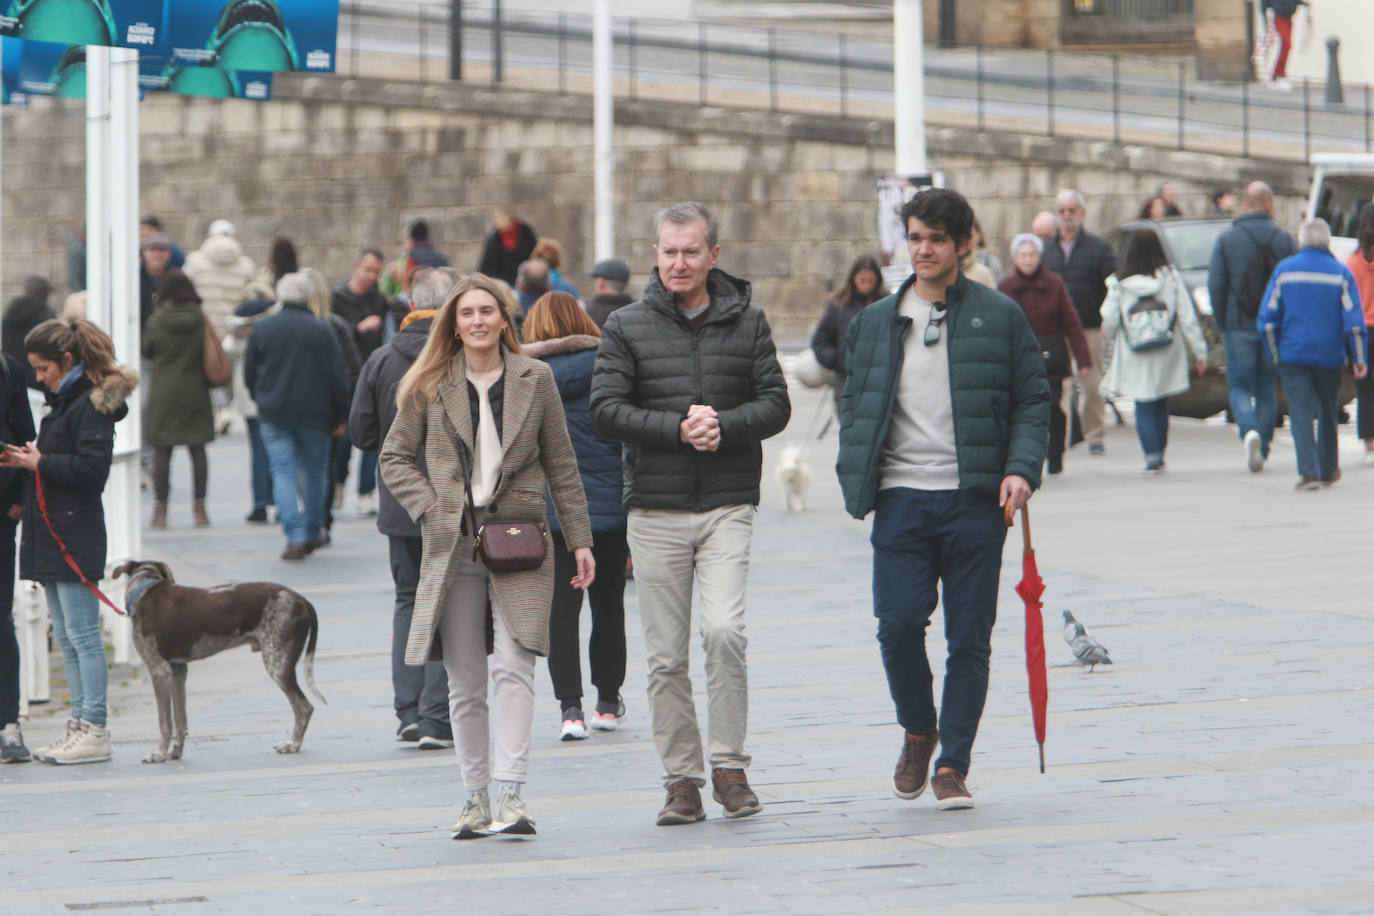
(1030, 588)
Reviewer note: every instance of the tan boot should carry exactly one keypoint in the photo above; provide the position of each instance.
(159, 516)
(198, 512)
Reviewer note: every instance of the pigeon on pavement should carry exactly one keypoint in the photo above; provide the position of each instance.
(1085, 648)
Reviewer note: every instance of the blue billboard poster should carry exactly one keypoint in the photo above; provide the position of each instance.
(10, 93)
(210, 82)
(46, 68)
(255, 35)
(119, 23)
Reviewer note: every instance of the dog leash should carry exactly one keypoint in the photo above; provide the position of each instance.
(67, 554)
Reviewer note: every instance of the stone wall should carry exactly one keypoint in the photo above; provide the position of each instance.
(339, 164)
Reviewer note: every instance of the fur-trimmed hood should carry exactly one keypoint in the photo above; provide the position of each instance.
(543, 349)
(114, 390)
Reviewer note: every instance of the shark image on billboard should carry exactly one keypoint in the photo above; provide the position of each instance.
(254, 35)
(137, 24)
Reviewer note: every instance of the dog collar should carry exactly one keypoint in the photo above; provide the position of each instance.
(136, 590)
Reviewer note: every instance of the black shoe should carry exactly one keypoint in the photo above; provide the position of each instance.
(408, 731)
(258, 516)
(1056, 464)
(324, 541)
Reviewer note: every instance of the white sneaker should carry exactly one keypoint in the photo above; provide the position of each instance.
(1283, 84)
(510, 818)
(475, 821)
(574, 726)
(73, 726)
(90, 745)
(1254, 460)
(367, 504)
(337, 505)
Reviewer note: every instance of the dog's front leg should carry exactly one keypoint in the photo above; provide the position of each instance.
(161, 674)
(178, 709)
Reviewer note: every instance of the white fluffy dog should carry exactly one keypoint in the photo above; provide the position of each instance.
(794, 476)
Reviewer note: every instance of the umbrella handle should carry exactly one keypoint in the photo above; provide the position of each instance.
(1008, 514)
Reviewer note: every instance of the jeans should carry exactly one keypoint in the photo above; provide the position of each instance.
(1152, 427)
(75, 616)
(262, 471)
(923, 539)
(367, 466)
(606, 647)
(674, 550)
(303, 450)
(1251, 375)
(9, 643)
(420, 691)
(1312, 397)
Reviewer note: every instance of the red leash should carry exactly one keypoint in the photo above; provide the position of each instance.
(67, 554)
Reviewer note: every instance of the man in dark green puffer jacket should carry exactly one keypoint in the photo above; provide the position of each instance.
(688, 379)
(944, 423)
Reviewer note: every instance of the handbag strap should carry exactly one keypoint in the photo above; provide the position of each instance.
(469, 514)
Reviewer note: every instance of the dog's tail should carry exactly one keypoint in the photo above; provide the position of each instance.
(310, 653)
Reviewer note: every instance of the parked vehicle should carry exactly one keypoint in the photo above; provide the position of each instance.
(1341, 182)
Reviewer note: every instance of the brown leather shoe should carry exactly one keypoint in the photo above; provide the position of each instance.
(913, 765)
(159, 519)
(683, 805)
(294, 552)
(950, 792)
(731, 789)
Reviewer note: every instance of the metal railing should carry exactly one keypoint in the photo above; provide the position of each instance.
(1128, 99)
(1143, 9)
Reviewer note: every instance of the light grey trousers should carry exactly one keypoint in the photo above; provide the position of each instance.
(462, 629)
(672, 551)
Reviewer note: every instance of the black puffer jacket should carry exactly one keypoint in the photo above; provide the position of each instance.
(77, 442)
(1091, 261)
(651, 366)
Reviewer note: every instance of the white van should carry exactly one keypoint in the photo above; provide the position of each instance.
(1341, 183)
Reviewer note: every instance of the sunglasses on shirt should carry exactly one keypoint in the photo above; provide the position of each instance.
(937, 318)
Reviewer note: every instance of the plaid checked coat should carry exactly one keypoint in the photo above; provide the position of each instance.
(535, 450)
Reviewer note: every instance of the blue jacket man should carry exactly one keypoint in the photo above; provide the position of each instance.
(1250, 375)
(1310, 323)
(944, 425)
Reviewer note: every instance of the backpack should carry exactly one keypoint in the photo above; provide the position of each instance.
(1148, 324)
(1254, 282)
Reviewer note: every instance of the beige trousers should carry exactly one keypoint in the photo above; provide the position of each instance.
(1094, 408)
(462, 629)
(671, 551)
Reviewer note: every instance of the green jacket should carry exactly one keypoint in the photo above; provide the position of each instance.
(178, 411)
(1000, 394)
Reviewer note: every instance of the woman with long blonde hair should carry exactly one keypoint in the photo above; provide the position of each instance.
(88, 393)
(340, 446)
(479, 435)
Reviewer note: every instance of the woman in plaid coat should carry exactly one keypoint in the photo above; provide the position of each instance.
(473, 399)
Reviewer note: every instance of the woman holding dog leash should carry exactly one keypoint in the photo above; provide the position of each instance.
(70, 460)
(479, 434)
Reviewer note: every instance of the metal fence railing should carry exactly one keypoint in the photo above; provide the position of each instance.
(1128, 99)
(1143, 9)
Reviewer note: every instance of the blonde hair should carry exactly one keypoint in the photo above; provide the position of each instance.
(422, 380)
(88, 345)
(319, 302)
(555, 315)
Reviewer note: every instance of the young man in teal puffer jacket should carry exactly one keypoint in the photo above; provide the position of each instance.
(944, 423)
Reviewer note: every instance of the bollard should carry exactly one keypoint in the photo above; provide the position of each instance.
(31, 624)
(1334, 96)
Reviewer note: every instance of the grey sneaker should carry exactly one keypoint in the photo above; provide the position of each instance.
(73, 726)
(511, 818)
(89, 745)
(475, 821)
(12, 749)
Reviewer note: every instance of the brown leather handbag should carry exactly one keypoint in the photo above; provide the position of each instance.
(504, 547)
(219, 369)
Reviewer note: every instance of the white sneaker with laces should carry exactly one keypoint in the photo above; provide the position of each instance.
(73, 726)
(1254, 459)
(511, 818)
(90, 745)
(475, 821)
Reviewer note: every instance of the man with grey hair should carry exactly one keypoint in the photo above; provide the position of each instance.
(295, 373)
(688, 379)
(1311, 323)
(419, 692)
(1084, 261)
(531, 282)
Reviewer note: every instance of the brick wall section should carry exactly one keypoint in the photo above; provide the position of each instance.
(339, 164)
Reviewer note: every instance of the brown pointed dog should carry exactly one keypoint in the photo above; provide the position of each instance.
(174, 624)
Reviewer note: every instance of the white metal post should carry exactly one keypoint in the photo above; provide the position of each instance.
(908, 68)
(122, 506)
(603, 123)
(97, 183)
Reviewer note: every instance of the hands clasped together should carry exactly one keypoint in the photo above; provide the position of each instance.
(700, 428)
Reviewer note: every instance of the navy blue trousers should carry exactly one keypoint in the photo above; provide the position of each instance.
(928, 542)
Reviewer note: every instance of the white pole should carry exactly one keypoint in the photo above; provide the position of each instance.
(908, 68)
(97, 184)
(122, 503)
(603, 122)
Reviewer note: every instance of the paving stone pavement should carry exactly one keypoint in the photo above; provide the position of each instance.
(1218, 767)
